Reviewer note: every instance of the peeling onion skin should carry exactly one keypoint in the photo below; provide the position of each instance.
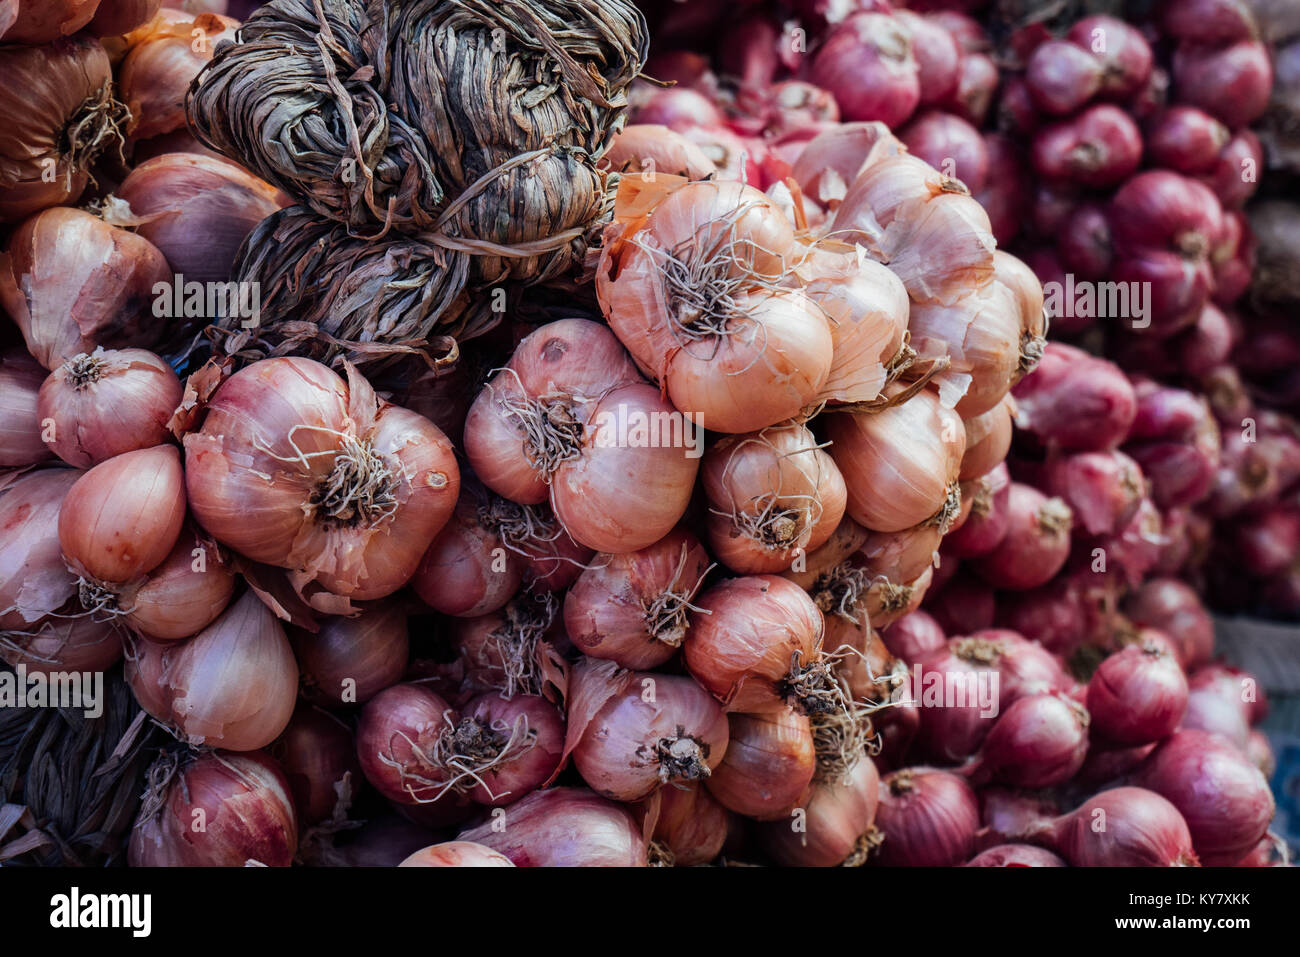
(179, 598)
(251, 493)
(248, 814)
(232, 686)
(21, 378)
(34, 579)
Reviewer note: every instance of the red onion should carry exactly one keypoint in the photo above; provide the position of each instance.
(1015, 855)
(1260, 752)
(964, 604)
(867, 63)
(633, 608)
(1231, 83)
(105, 403)
(770, 760)
(691, 827)
(1084, 243)
(350, 660)
(631, 732)
(1208, 709)
(1062, 77)
(1105, 765)
(835, 828)
(1267, 543)
(677, 108)
(468, 571)
(949, 144)
(1003, 196)
(1185, 140)
(564, 827)
(1175, 440)
(988, 521)
(1164, 226)
(487, 724)
(1036, 544)
(937, 56)
(1122, 827)
(914, 636)
(319, 758)
(748, 50)
(928, 819)
(1172, 607)
(977, 83)
(1138, 695)
(1104, 489)
(1223, 797)
(1017, 108)
(1040, 741)
(1052, 615)
(396, 740)
(1209, 21)
(243, 801)
(1127, 556)
(1124, 54)
(1098, 148)
(1075, 401)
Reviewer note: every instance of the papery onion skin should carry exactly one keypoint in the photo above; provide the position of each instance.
(34, 579)
(867, 62)
(988, 439)
(565, 827)
(621, 609)
(251, 491)
(157, 72)
(197, 211)
(106, 403)
(838, 815)
(350, 660)
(928, 819)
(20, 420)
(770, 761)
(1171, 606)
(72, 282)
(247, 811)
(41, 21)
(524, 771)
(752, 632)
(777, 477)
(115, 18)
(643, 147)
(123, 517)
(1036, 545)
(184, 593)
(67, 84)
(1075, 401)
(898, 464)
(1223, 797)
(234, 684)
(1040, 741)
(457, 854)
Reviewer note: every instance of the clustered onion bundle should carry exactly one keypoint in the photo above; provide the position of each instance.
(417, 124)
(812, 553)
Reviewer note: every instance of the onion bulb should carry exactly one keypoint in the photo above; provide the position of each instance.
(565, 827)
(20, 421)
(350, 660)
(298, 469)
(769, 763)
(104, 403)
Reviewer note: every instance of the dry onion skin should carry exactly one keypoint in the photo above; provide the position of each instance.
(72, 283)
(901, 463)
(164, 58)
(694, 290)
(21, 378)
(570, 420)
(244, 801)
(296, 468)
(457, 854)
(34, 579)
(773, 496)
(232, 686)
(65, 119)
